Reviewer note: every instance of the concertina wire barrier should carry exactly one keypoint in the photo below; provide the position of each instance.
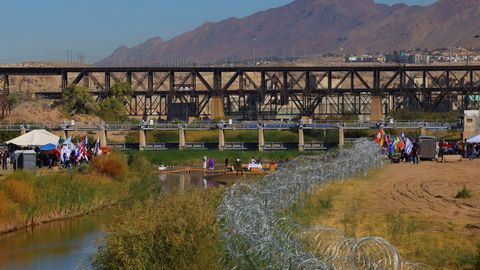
(257, 234)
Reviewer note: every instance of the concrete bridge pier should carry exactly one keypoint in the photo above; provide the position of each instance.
(261, 140)
(376, 113)
(301, 140)
(143, 140)
(103, 138)
(217, 106)
(341, 137)
(221, 139)
(181, 138)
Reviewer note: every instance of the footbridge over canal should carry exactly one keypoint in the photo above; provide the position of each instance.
(262, 145)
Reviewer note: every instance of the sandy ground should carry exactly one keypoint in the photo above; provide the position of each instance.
(430, 188)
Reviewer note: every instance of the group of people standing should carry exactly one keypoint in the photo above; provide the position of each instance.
(5, 159)
(237, 165)
(210, 162)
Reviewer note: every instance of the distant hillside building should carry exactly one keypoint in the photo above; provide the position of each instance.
(407, 58)
(360, 58)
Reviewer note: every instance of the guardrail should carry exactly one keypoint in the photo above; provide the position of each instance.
(249, 125)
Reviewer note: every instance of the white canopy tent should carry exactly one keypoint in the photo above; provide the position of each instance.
(39, 137)
(474, 139)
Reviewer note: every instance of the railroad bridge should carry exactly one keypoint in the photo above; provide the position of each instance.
(268, 93)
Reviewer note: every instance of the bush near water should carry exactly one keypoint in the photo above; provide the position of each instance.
(27, 199)
(173, 231)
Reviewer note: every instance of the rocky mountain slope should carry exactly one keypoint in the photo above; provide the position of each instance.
(309, 27)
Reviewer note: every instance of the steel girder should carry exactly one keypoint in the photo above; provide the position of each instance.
(272, 92)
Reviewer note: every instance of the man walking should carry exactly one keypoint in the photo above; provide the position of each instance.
(5, 160)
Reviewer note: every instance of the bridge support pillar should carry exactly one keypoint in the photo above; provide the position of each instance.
(143, 140)
(221, 139)
(376, 113)
(65, 134)
(103, 138)
(261, 140)
(301, 140)
(217, 107)
(181, 138)
(23, 131)
(341, 137)
(423, 131)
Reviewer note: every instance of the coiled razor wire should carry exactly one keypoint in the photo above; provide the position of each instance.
(257, 236)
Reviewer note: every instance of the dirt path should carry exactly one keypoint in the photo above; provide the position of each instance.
(430, 189)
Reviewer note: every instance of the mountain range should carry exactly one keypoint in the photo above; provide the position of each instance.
(312, 27)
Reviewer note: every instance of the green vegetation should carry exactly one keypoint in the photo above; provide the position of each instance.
(194, 157)
(8, 135)
(246, 136)
(406, 115)
(77, 100)
(113, 107)
(173, 231)
(463, 194)
(17, 98)
(27, 199)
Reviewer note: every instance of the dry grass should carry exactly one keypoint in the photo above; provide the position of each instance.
(352, 207)
(27, 199)
(20, 192)
(3, 204)
(113, 166)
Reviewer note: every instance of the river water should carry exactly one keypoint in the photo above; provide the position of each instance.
(69, 244)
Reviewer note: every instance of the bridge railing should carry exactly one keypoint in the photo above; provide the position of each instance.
(249, 125)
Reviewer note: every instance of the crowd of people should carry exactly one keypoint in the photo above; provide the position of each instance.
(236, 166)
(400, 148)
(65, 154)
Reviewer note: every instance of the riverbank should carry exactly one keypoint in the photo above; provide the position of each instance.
(413, 207)
(194, 157)
(28, 199)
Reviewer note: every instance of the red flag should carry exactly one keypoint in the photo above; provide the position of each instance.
(380, 139)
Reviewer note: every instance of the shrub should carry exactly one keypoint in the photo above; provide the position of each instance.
(183, 235)
(463, 194)
(76, 100)
(112, 165)
(20, 192)
(113, 109)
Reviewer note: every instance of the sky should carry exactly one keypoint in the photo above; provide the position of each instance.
(34, 30)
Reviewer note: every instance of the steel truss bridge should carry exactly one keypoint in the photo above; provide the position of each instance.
(269, 92)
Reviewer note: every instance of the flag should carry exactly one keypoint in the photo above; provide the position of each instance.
(97, 146)
(380, 139)
(400, 145)
(391, 146)
(408, 147)
(402, 136)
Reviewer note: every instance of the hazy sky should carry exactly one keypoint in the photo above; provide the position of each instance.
(44, 30)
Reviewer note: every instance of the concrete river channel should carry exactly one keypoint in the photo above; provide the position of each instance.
(69, 244)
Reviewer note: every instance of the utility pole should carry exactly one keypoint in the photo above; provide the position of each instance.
(254, 52)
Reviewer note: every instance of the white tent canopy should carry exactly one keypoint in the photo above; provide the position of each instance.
(474, 139)
(39, 137)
